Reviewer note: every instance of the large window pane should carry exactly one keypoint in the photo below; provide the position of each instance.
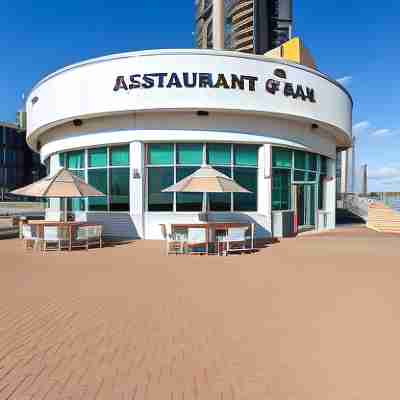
(160, 154)
(247, 178)
(281, 189)
(119, 185)
(62, 157)
(312, 162)
(97, 157)
(119, 156)
(79, 173)
(159, 179)
(98, 179)
(76, 160)
(324, 165)
(300, 160)
(189, 154)
(187, 201)
(245, 155)
(299, 176)
(281, 158)
(220, 201)
(321, 193)
(75, 204)
(219, 154)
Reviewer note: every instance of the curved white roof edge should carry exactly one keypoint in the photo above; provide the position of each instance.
(201, 52)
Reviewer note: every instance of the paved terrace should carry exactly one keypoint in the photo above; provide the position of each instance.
(307, 318)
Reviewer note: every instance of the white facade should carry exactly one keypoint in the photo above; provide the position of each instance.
(103, 95)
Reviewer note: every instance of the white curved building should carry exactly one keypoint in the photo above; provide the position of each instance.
(132, 124)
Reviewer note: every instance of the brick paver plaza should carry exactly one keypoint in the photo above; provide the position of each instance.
(316, 317)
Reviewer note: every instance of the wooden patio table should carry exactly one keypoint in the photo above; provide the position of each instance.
(211, 227)
(71, 225)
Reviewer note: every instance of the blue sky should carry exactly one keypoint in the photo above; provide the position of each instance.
(351, 40)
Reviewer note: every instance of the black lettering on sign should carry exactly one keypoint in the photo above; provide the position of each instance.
(311, 95)
(148, 81)
(161, 79)
(237, 82)
(222, 82)
(134, 83)
(289, 90)
(272, 86)
(300, 93)
(205, 80)
(186, 81)
(120, 84)
(174, 81)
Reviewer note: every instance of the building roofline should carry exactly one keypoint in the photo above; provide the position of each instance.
(9, 124)
(200, 52)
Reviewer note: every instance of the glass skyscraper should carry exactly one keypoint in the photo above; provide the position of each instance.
(19, 165)
(251, 26)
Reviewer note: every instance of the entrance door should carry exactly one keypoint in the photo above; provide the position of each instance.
(305, 206)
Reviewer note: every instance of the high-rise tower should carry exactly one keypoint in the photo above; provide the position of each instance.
(251, 26)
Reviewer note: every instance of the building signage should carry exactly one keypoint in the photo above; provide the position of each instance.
(249, 83)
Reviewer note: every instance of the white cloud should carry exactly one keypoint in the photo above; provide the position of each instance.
(345, 80)
(384, 132)
(361, 128)
(387, 174)
(361, 125)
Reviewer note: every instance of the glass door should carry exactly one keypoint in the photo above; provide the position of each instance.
(305, 206)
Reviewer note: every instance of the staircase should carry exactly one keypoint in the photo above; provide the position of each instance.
(383, 219)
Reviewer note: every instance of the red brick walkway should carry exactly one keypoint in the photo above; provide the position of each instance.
(308, 318)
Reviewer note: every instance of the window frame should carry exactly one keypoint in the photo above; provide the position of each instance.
(175, 165)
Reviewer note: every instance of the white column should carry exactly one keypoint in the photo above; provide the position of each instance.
(137, 182)
(218, 24)
(55, 204)
(265, 184)
(330, 193)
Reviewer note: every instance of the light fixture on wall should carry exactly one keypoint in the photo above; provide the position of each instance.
(136, 173)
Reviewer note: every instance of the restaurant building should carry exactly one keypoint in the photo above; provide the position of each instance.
(133, 124)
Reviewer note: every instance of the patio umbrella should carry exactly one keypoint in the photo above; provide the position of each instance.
(63, 184)
(207, 180)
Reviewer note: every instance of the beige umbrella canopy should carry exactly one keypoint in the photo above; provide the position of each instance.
(207, 180)
(62, 184)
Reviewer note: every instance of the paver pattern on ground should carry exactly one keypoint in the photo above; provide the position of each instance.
(317, 317)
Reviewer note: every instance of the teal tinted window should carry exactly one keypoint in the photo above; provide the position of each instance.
(79, 173)
(187, 201)
(98, 179)
(97, 157)
(119, 189)
(312, 162)
(247, 178)
(311, 177)
(282, 158)
(299, 176)
(281, 189)
(160, 178)
(300, 160)
(62, 157)
(160, 154)
(76, 204)
(119, 156)
(220, 201)
(189, 154)
(321, 193)
(324, 165)
(219, 154)
(76, 160)
(245, 155)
